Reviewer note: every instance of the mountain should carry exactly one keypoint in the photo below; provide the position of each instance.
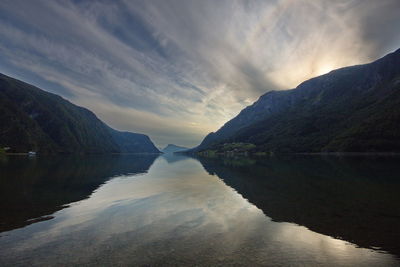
(170, 148)
(32, 119)
(352, 109)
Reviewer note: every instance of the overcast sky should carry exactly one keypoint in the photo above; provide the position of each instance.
(177, 70)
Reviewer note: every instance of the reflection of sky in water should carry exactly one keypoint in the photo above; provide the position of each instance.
(175, 214)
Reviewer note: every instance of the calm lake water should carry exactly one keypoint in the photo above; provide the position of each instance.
(179, 211)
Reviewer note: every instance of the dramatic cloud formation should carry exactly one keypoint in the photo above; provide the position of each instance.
(177, 70)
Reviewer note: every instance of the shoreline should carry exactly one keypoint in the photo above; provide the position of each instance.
(76, 154)
(336, 154)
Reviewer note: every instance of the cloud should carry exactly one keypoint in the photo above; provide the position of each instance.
(179, 69)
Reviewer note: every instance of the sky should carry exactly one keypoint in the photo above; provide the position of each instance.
(177, 70)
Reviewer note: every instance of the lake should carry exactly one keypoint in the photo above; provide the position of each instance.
(174, 210)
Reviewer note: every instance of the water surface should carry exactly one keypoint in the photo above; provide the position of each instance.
(180, 211)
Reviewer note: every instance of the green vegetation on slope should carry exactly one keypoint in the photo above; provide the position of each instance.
(354, 109)
(32, 119)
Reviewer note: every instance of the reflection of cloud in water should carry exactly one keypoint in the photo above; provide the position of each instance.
(175, 214)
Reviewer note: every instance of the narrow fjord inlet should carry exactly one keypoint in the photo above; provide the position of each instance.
(200, 133)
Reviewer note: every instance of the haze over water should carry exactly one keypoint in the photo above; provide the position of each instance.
(176, 210)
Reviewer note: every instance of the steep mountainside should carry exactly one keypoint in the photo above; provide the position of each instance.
(32, 119)
(353, 109)
(170, 148)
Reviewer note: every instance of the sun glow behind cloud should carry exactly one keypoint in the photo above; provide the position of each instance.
(177, 70)
(324, 69)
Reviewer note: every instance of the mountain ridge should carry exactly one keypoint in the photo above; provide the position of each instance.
(171, 148)
(306, 114)
(34, 119)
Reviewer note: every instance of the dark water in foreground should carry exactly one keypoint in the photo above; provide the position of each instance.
(180, 211)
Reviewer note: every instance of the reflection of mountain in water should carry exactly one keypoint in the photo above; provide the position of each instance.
(174, 157)
(355, 199)
(33, 188)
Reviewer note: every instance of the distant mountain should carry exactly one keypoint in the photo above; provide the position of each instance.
(32, 119)
(170, 148)
(352, 109)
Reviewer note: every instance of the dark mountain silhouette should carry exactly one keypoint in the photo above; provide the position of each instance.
(32, 119)
(170, 148)
(353, 109)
